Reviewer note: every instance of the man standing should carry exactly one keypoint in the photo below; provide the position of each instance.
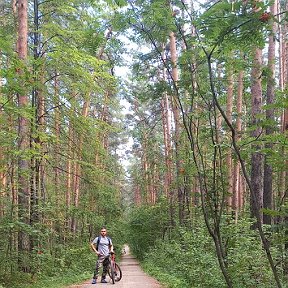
(102, 246)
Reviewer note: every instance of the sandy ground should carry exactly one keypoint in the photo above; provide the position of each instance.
(132, 276)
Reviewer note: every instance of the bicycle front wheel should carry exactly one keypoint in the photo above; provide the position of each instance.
(111, 272)
(118, 272)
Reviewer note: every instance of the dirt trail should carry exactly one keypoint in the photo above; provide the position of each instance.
(132, 276)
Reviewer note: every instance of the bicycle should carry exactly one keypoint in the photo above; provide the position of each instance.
(114, 270)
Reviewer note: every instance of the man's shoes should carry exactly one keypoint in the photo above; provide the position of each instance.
(94, 281)
(103, 281)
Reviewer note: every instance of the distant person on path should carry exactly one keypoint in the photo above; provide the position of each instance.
(102, 246)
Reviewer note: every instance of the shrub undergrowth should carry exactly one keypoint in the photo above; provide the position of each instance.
(187, 258)
(57, 264)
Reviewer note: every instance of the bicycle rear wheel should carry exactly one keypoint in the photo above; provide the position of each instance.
(118, 272)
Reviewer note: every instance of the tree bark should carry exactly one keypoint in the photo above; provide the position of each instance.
(77, 166)
(166, 124)
(176, 116)
(167, 144)
(3, 172)
(257, 157)
(283, 175)
(23, 141)
(229, 163)
(237, 182)
(268, 170)
(69, 175)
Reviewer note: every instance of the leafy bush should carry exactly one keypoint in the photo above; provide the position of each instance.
(147, 224)
(247, 261)
(188, 261)
(187, 258)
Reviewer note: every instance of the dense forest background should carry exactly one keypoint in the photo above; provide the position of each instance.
(166, 121)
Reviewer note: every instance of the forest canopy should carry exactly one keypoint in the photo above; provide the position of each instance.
(205, 178)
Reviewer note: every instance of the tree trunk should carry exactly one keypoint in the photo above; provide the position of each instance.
(145, 167)
(268, 171)
(166, 124)
(37, 127)
(77, 166)
(167, 144)
(229, 163)
(237, 182)
(176, 116)
(56, 170)
(23, 142)
(69, 175)
(283, 177)
(3, 172)
(257, 157)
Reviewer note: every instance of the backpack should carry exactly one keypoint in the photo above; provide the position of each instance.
(98, 241)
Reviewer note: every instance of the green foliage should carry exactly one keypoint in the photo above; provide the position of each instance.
(59, 281)
(55, 261)
(71, 67)
(247, 261)
(64, 265)
(72, 35)
(146, 225)
(188, 259)
(225, 26)
(178, 267)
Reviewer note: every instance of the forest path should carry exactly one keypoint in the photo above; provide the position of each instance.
(132, 276)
